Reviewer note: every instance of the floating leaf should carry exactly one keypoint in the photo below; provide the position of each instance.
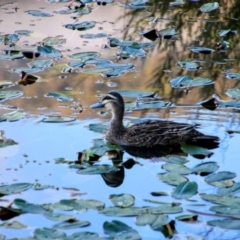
(225, 210)
(187, 81)
(177, 3)
(152, 105)
(59, 96)
(81, 26)
(224, 33)
(6, 84)
(136, 93)
(225, 223)
(83, 236)
(49, 51)
(26, 70)
(38, 13)
(58, 40)
(202, 50)
(156, 221)
(58, 216)
(48, 233)
(230, 190)
(185, 190)
(178, 168)
(84, 55)
(168, 33)
(92, 36)
(175, 159)
(172, 178)
(119, 230)
(12, 56)
(123, 212)
(12, 116)
(58, 119)
(98, 169)
(29, 207)
(14, 188)
(208, 7)
(195, 150)
(14, 224)
(122, 200)
(5, 95)
(206, 167)
(77, 64)
(220, 176)
(188, 65)
(233, 93)
(97, 127)
(23, 32)
(235, 76)
(41, 63)
(72, 223)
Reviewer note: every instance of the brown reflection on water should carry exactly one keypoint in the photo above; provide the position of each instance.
(150, 71)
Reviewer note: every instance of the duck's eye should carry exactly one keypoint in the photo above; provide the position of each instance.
(107, 98)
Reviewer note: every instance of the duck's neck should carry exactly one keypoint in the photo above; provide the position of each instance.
(116, 122)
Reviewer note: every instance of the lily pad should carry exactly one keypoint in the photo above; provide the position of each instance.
(14, 188)
(136, 93)
(172, 178)
(152, 105)
(185, 190)
(119, 230)
(6, 84)
(5, 95)
(196, 151)
(58, 40)
(233, 93)
(208, 7)
(14, 224)
(202, 50)
(187, 81)
(26, 70)
(48, 233)
(224, 33)
(177, 3)
(76, 64)
(49, 51)
(38, 13)
(122, 200)
(175, 159)
(178, 168)
(220, 176)
(29, 207)
(23, 32)
(81, 26)
(155, 221)
(97, 127)
(58, 119)
(59, 96)
(225, 223)
(71, 224)
(84, 55)
(168, 33)
(93, 36)
(41, 63)
(188, 65)
(206, 167)
(230, 190)
(225, 210)
(12, 56)
(58, 216)
(83, 236)
(12, 116)
(123, 212)
(234, 76)
(98, 169)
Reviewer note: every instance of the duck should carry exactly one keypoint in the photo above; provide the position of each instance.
(149, 133)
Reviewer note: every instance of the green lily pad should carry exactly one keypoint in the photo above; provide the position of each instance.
(220, 176)
(206, 167)
(119, 230)
(175, 159)
(230, 190)
(97, 127)
(177, 3)
(165, 209)
(28, 207)
(48, 233)
(235, 76)
(93, 36)
(14, 224)
(225, 223)
(12, 116)
(58, 119)
(12, 56)
(84, 236)
(155, 221)
(168, 33)
(84, 55)
(58, 216)
(59, 96)
(98, 169)
(225, 210)
(14, 188)
(224, 33)
(72, 223)
(6, 84)
(49, 51)
(23, 32)
(41, 63)
(122, 200)
(195, 150)
(233, 93)
(152, 105)
(230, 201)
(81, 26)
(202, 50)
(208, 7)
(76, 64)
(136, 93)
(178, 168)
(26, 70)
(5, 95)
(123, 212)
(58, 40)
(187, 81)
(38, 13)
(222, 184)
(185, 190)
(188, 65)
(172, 178)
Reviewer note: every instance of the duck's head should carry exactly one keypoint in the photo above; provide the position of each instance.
(113, 101)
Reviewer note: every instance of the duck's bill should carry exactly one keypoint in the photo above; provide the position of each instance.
(97, 105)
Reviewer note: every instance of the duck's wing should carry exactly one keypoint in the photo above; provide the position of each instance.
(152, 133)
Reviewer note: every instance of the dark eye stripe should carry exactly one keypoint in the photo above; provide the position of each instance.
(107, 98)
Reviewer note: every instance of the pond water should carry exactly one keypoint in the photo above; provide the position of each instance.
(73, 54)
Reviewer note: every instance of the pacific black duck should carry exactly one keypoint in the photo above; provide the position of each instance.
(150, 133)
